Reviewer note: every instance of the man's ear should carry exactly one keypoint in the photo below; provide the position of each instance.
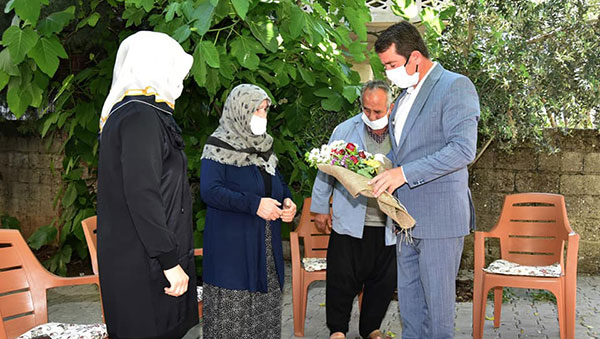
(391, 108)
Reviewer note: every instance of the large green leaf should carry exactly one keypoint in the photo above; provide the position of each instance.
(244, 49)
(147, 5)
(265, 31)
(29, 9)
(241, 7)
(358, 19)
(202, 17)
(3, 79)
(210, 54)
(182, 33)
(351, 93)
(199, 67)
(46, 53)
(333, 103)
(308, 76)
(43, 236)
(6, 63)
(358, 48)
(297, 22)
(19, 42)
(18, 97)
(70, 195)
(55, 22)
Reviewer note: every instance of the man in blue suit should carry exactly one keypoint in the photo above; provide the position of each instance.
(434, 137)
(361, 253)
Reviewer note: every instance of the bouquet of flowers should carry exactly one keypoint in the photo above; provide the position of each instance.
(354, 168)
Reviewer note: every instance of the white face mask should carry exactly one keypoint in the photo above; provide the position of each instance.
(376, 124)
(400, 78)
(258, 125)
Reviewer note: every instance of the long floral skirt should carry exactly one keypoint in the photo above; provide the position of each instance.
(244, 314)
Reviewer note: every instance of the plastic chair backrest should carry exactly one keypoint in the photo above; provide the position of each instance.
(533, 228)
(315, 242)
(23, 285)
(89, 229)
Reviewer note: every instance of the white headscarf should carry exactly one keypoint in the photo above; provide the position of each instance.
(148, 63)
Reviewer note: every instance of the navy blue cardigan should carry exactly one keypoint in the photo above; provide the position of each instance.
(234, 236)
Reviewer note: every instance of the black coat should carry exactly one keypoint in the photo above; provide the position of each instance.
(144, 222)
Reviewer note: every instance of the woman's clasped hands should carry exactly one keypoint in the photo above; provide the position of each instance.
(269, 209)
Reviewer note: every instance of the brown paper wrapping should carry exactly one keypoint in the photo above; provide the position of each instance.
(357, 184)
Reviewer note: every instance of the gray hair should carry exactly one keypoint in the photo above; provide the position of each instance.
(377, 84)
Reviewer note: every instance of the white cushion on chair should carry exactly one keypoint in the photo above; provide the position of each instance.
(199, 292)
(502, 266)
(67, 331)
(314, 264)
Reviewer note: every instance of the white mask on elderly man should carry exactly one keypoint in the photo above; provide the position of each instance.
(399, 77)
(258, 125)
(376, 124)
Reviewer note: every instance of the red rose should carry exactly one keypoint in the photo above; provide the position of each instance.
(354, 159)
(341, 152)
(350, 146)
(362, 155)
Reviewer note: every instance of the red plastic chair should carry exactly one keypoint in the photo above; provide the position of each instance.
(533, 230)
(23, 285)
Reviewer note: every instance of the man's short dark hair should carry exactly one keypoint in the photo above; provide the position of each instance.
(405, 36)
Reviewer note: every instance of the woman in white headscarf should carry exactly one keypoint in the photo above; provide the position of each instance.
(246, 200)
(145, 245)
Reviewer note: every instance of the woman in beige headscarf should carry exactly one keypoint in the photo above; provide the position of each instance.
(145, 245)
(246, 200)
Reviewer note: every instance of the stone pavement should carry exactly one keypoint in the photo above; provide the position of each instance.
(525, 314)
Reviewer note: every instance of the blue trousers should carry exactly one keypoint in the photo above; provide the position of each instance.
(427, 270)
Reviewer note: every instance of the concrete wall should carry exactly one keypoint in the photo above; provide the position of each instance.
(574, 172)
(27, 185)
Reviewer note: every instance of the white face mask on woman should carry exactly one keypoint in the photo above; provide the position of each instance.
(376, 124)
(400, 78)
(258, 125)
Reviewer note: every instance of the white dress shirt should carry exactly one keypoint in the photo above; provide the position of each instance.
(405, 105)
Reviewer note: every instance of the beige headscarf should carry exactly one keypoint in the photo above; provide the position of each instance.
(235, 144)
(148, 63)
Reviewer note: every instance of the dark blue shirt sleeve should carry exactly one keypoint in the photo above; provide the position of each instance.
(217, 195)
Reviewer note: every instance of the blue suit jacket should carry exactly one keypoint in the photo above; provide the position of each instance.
(348, 212)
(437, 143)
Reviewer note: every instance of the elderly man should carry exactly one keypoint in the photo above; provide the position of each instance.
(434, 137)
(361, 253)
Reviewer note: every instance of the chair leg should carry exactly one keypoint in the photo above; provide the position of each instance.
(570, 295)
(477, 291)
(482, 305)
(561, 307)
(303, 305)
(297, 288)
(497, 305)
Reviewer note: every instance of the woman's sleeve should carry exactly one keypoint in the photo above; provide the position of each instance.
(142, 161)
(216, 195)
(286, 190)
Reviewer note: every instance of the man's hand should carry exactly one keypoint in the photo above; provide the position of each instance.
(389, 181)
(289, 210)
(178, 280)
(268, 209)
(323, 222)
